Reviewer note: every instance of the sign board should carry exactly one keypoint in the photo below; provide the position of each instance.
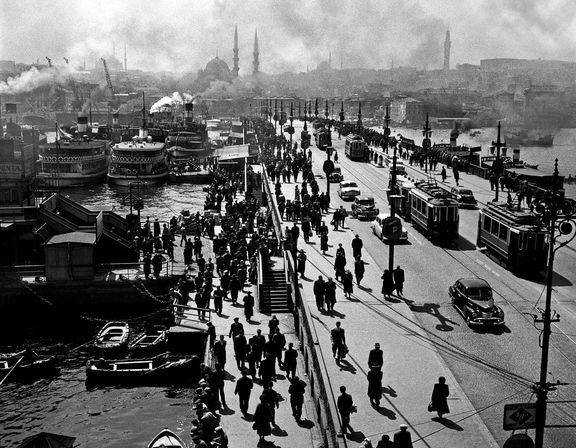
(519, 416)
(393, 228)
(519, 441)
(328, 167)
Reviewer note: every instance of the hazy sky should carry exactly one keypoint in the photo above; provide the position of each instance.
(184, 35)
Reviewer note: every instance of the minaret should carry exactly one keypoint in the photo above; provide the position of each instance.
(330, 59)
(236, 69)
(447, 45)
(256, 63)
(125, 60)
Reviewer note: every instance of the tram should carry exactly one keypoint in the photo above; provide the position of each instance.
(434, 211)
(322, 138)
(355, 148)
(513, 236)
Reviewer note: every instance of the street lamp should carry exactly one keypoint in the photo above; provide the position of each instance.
(394, 225)
(275, 116)
(341, 121)
(386, 130)
(426, 143)
(291, 128)
(558, 214)
(497, 164)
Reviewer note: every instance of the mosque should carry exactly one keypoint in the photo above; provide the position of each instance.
(218, 70)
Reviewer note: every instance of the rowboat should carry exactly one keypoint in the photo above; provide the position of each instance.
(113, 337)
(22, 366)
(151, 342)
(164, 369)
(167, 439)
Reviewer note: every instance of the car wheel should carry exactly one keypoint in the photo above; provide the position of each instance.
(468, 319)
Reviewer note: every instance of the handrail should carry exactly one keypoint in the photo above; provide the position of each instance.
(260, 280)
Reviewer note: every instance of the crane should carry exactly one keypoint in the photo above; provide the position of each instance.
(66, 59)
(49, 61)
(108, 79)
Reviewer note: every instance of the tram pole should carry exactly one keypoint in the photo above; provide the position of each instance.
(427, 133)
(558, 215)
(497, 165)
(392, 211)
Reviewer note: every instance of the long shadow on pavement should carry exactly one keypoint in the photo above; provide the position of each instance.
(448, 423)
(434, 310)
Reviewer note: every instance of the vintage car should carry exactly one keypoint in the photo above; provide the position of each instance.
(464, 196)
(348, 189)
(378, 224)
(472, 297)
(364, 207)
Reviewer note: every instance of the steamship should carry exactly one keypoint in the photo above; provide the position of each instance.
(191, 141)
(72, 161)
(140, 159)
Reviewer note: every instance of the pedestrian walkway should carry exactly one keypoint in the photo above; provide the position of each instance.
(238, 427)
(411, 363)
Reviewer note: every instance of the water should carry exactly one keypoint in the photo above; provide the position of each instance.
(564, 149)
(108, 417)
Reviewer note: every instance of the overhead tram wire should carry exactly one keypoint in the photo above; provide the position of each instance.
(436, 341)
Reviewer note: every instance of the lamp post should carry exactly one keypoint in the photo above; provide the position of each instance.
(291, 128)
(316, 109)
(497, 165)
(386, 130)
(327, 115)
(393, 198)
(341, 120)
(269, 110)
(427, 133)
(558, 215)
(359, 122)
(275, 116)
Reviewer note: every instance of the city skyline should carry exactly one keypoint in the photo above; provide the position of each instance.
(182, 36)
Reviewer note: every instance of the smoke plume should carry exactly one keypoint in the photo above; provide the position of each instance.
(176, 99)
(33, 79)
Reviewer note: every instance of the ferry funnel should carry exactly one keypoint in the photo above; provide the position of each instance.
(82, 125)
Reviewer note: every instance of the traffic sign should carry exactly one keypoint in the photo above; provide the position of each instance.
(393, 228)
(519, 416)
(328, 167)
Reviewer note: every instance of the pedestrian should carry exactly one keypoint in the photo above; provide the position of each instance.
(376, 357)
(339, 265)
(439, 402)
(319, 293)
(262, 420)
(211, 333)
(296, 391)
(330, 294)
(345, 406)
(348, 284)
(443, 174)
(217, 383)
(387, 283)
(359, 270)
(258, 341)
(357, 245)
(236, 328)
(243, 389)
(267, 369)
(248, 305)
(147, 265)
(240, 344)
(235, 286)
(398, 276)
(375, 386)
(219, 350)
(290, 362)
(402, 438)
(385, 442)
(324, 243)
(338, 337)
(301, 263)
(218, 300)
(456, 175)
(271, 398)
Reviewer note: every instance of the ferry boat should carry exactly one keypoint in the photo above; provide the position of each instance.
(141, 159)
(191, 141)
(71, 161)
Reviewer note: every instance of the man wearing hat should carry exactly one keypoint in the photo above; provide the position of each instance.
(376, 357)
(243, 389)
(402, 438)
(296, 391)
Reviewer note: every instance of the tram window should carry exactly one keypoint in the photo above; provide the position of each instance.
(503, 233)
(487, 223)
(494, 228)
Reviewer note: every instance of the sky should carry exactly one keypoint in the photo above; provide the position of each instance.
(183, 35)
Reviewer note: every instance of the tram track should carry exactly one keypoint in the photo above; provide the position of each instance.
(511, 296)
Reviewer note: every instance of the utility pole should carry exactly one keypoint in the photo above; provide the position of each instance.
(427, 133)
(557, 214)
(497, 165)
(386, 130)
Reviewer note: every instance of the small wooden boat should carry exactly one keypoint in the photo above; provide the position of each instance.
(164, 369)
(113, 337)
(23, 366)
(167, 439)
(153, 341)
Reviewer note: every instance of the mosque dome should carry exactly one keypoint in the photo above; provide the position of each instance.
(218, 69)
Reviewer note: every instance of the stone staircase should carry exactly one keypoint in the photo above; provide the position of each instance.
(273, 292)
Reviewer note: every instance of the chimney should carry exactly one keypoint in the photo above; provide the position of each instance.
(115, 119)
(188, 114)
(82, 125)
(143, 133)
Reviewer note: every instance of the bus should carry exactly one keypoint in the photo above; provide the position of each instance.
(515, 237)
(434, 211)
(356, 148)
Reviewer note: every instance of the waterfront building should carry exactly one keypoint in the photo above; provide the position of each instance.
(407, 111)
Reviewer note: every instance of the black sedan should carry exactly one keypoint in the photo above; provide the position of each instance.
(472, 297)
